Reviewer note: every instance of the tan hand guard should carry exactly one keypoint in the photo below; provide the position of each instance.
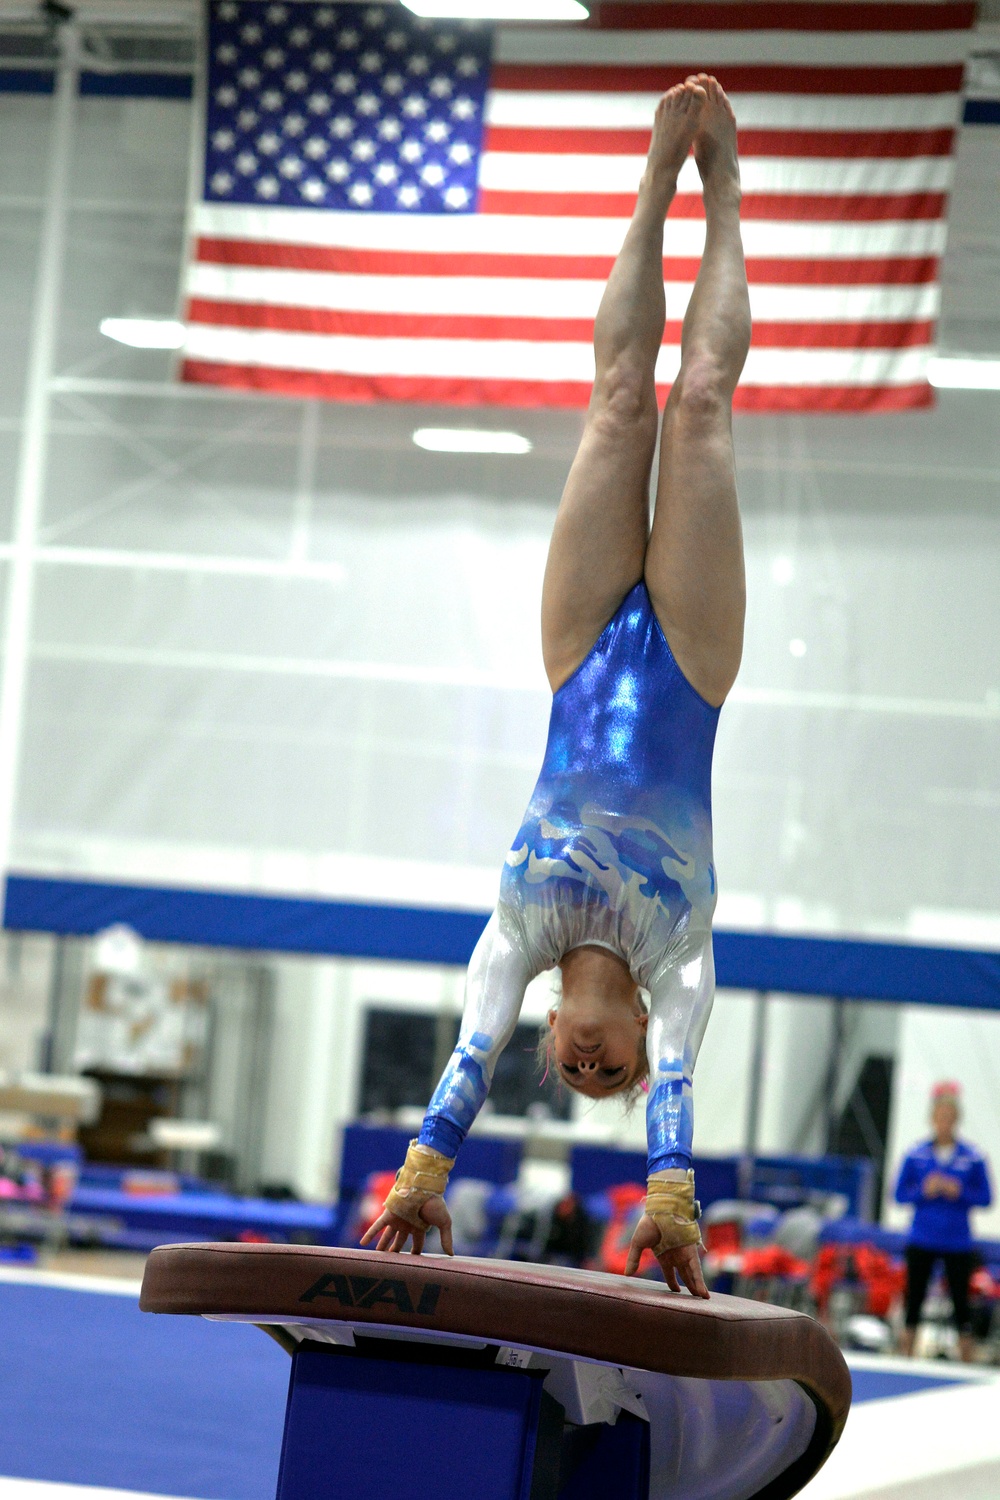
(673, 1208)
(423, 1175)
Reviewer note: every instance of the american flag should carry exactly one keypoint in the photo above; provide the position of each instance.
(400, 209)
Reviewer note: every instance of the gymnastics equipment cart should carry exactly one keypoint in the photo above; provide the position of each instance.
(452, 1379)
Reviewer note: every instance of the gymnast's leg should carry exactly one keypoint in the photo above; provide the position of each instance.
(694, 563)
(598, 548)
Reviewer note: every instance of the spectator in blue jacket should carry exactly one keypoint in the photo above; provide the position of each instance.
(943, 1177)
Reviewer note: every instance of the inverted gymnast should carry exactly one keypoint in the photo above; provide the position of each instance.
(610, 877)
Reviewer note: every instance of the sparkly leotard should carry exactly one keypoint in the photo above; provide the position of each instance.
(615, 850)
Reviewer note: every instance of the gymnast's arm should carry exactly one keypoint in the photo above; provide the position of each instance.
(499, 972)
(681, 996)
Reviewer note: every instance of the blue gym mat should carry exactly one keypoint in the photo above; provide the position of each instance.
(92, 1391)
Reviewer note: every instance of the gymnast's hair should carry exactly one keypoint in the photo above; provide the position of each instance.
(629, 1092)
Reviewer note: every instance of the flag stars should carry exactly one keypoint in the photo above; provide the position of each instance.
(373, 112)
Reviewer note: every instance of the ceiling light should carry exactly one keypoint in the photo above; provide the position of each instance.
(965, 373)
(797, 647)
(500, 10)
(144, 333)
(469, 440)
(782, 570)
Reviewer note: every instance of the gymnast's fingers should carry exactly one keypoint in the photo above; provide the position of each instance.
(669, 1272)
(688, 1263)
(419, 1235)
(374, 1229)
(447, 1243)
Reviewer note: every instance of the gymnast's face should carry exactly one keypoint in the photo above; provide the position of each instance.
(597, 1037)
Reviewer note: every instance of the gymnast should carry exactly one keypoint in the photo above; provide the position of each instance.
(610, 878)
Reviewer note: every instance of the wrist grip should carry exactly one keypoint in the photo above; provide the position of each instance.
(423, 1175)
(673, 1208)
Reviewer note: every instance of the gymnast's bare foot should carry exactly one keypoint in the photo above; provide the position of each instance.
(715, 148)
(674, 130)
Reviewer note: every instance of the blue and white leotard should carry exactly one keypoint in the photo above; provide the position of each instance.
(616, 851)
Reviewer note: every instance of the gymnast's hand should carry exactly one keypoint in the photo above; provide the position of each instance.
(393, 1232)
(683, 1264)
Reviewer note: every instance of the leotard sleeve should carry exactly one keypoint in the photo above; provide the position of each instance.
(681, 994)
(502, 965)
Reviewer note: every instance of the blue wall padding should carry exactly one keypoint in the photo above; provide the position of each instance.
(854, 969)
(97, 1393)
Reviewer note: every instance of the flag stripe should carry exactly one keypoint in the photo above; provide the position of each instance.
(643, 78)
(777, 143)
(768, 206)
(789, 15)
(512, 297)
(904, 271)
(512, 234)
(582, 109)
(506, 358)
(542, 172)
(541, 45)
(811, 335)
(455, 391)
